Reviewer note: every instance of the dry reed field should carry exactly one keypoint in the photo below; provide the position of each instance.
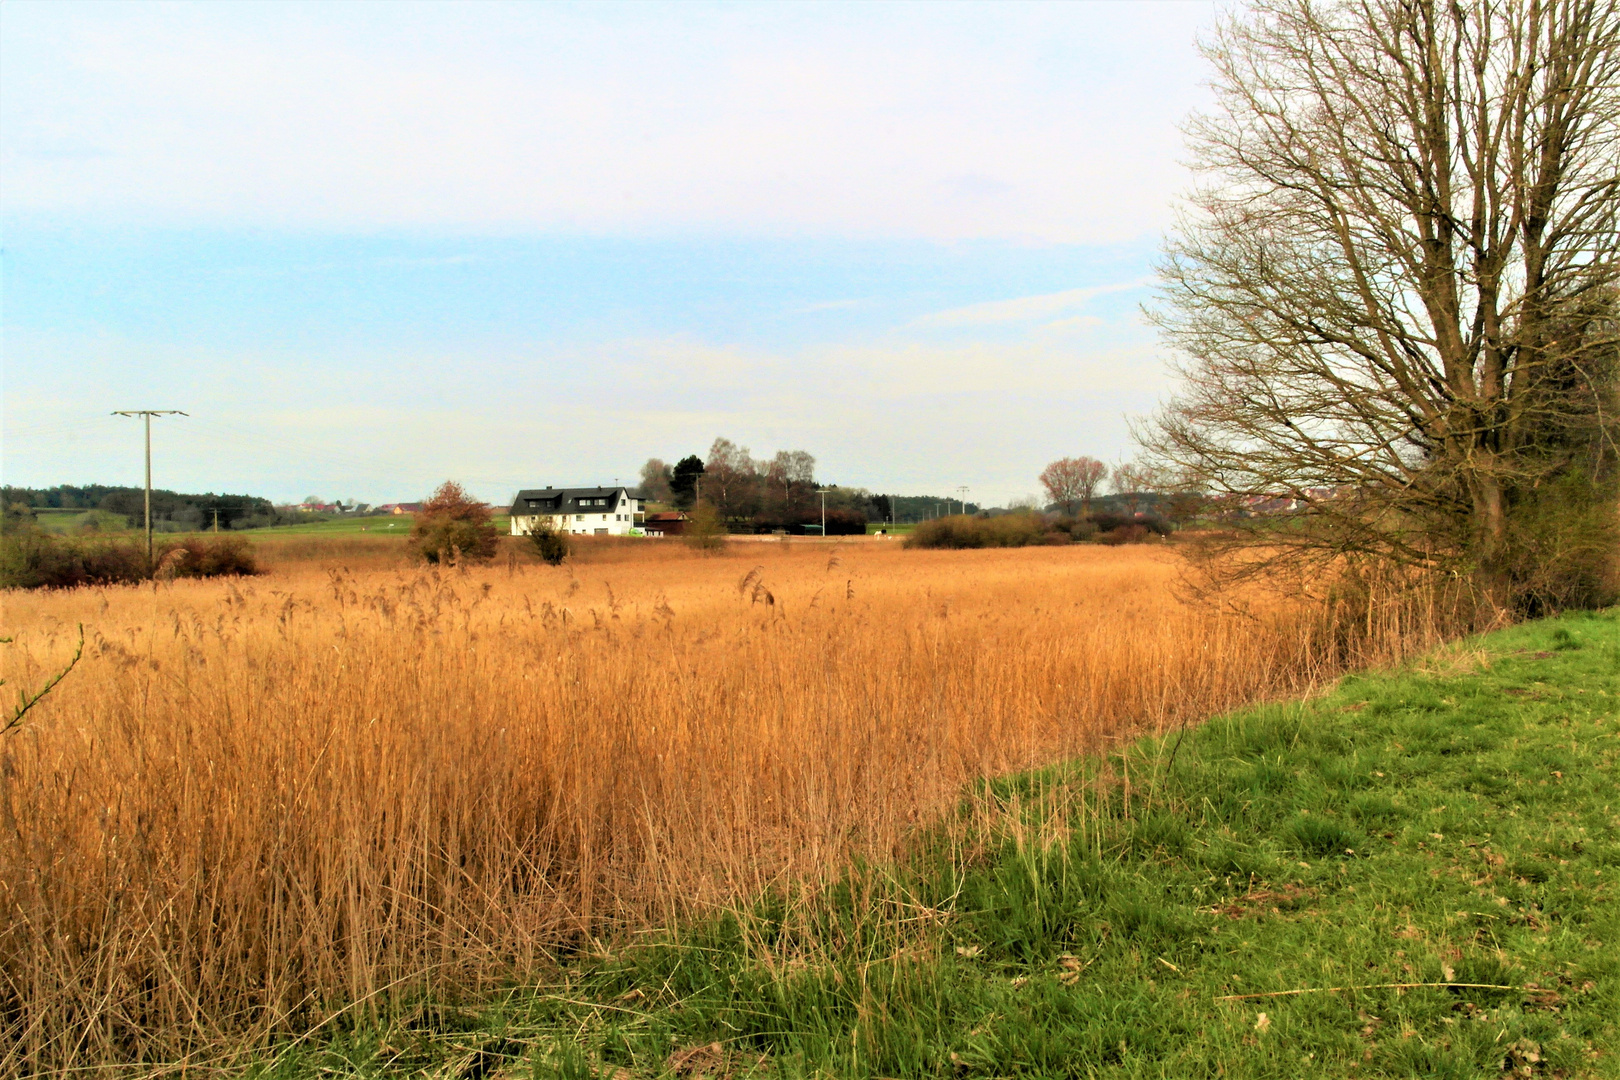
(261, 800)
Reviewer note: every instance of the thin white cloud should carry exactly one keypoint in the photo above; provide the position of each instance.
(828, 305)
(1023, 308)
(1048, 122)
(1077, 322)
(426, 262)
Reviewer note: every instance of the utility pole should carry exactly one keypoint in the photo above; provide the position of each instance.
(146, 415)
(823, 512)
(962, 496)
(216, 522)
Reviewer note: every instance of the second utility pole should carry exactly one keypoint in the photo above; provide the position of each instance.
(147, 414)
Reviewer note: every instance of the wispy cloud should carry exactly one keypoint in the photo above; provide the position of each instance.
(425, 262)
(1050, 122)
(829, 305)
(1024, 308)
(1075, 322)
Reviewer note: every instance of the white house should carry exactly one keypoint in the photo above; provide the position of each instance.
(595, 511)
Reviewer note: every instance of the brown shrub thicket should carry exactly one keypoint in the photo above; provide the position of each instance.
(967, 531)
(33, 559)
(216, 556)
(1124, 534)
(1024, 530)
(257, 802)
(453, 526)
(549, 544)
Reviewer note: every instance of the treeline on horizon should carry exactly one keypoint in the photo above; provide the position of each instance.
(749, 494)
(780, 493)
(172, 511)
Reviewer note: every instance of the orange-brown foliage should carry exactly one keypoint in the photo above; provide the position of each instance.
(255, 799)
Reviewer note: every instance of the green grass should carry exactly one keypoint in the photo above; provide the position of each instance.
(382, 525)
(1456, 822)
(389, 525)
(52, 520)
(70, 521)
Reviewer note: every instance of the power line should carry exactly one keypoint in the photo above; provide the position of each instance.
(146, 415)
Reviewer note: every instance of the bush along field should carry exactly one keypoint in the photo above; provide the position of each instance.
(1412, 875)
(32, 558)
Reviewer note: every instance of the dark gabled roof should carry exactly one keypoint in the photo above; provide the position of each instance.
(569, 500)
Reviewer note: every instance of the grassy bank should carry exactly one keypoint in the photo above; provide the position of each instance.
(1418, 868)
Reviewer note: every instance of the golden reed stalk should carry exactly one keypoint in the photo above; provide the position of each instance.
(255, 801)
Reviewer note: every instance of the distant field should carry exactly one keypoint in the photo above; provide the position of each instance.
(70, 521)
(395, 524)
(66, 521)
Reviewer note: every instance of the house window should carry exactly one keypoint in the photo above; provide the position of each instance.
(579, 517)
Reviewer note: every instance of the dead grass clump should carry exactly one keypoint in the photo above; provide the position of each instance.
(203, 557)
(260, 801)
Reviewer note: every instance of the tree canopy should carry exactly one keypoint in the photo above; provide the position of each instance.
(1394, 295)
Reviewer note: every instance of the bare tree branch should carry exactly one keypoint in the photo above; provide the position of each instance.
(1397, 285)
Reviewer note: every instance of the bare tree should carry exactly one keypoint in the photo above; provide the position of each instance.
(1178, 494)
(655, 482)
(1394, 297)
(1072, 481)
(729, 477)
(791, 471)
(1130, 480)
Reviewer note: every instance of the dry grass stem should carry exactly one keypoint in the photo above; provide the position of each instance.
(257, 802)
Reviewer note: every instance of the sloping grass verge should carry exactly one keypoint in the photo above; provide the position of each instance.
(1412, 875)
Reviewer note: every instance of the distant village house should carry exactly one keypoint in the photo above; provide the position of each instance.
(597, 511)
(668, 523)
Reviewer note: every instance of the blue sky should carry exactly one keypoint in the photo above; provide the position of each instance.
(369, 247)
